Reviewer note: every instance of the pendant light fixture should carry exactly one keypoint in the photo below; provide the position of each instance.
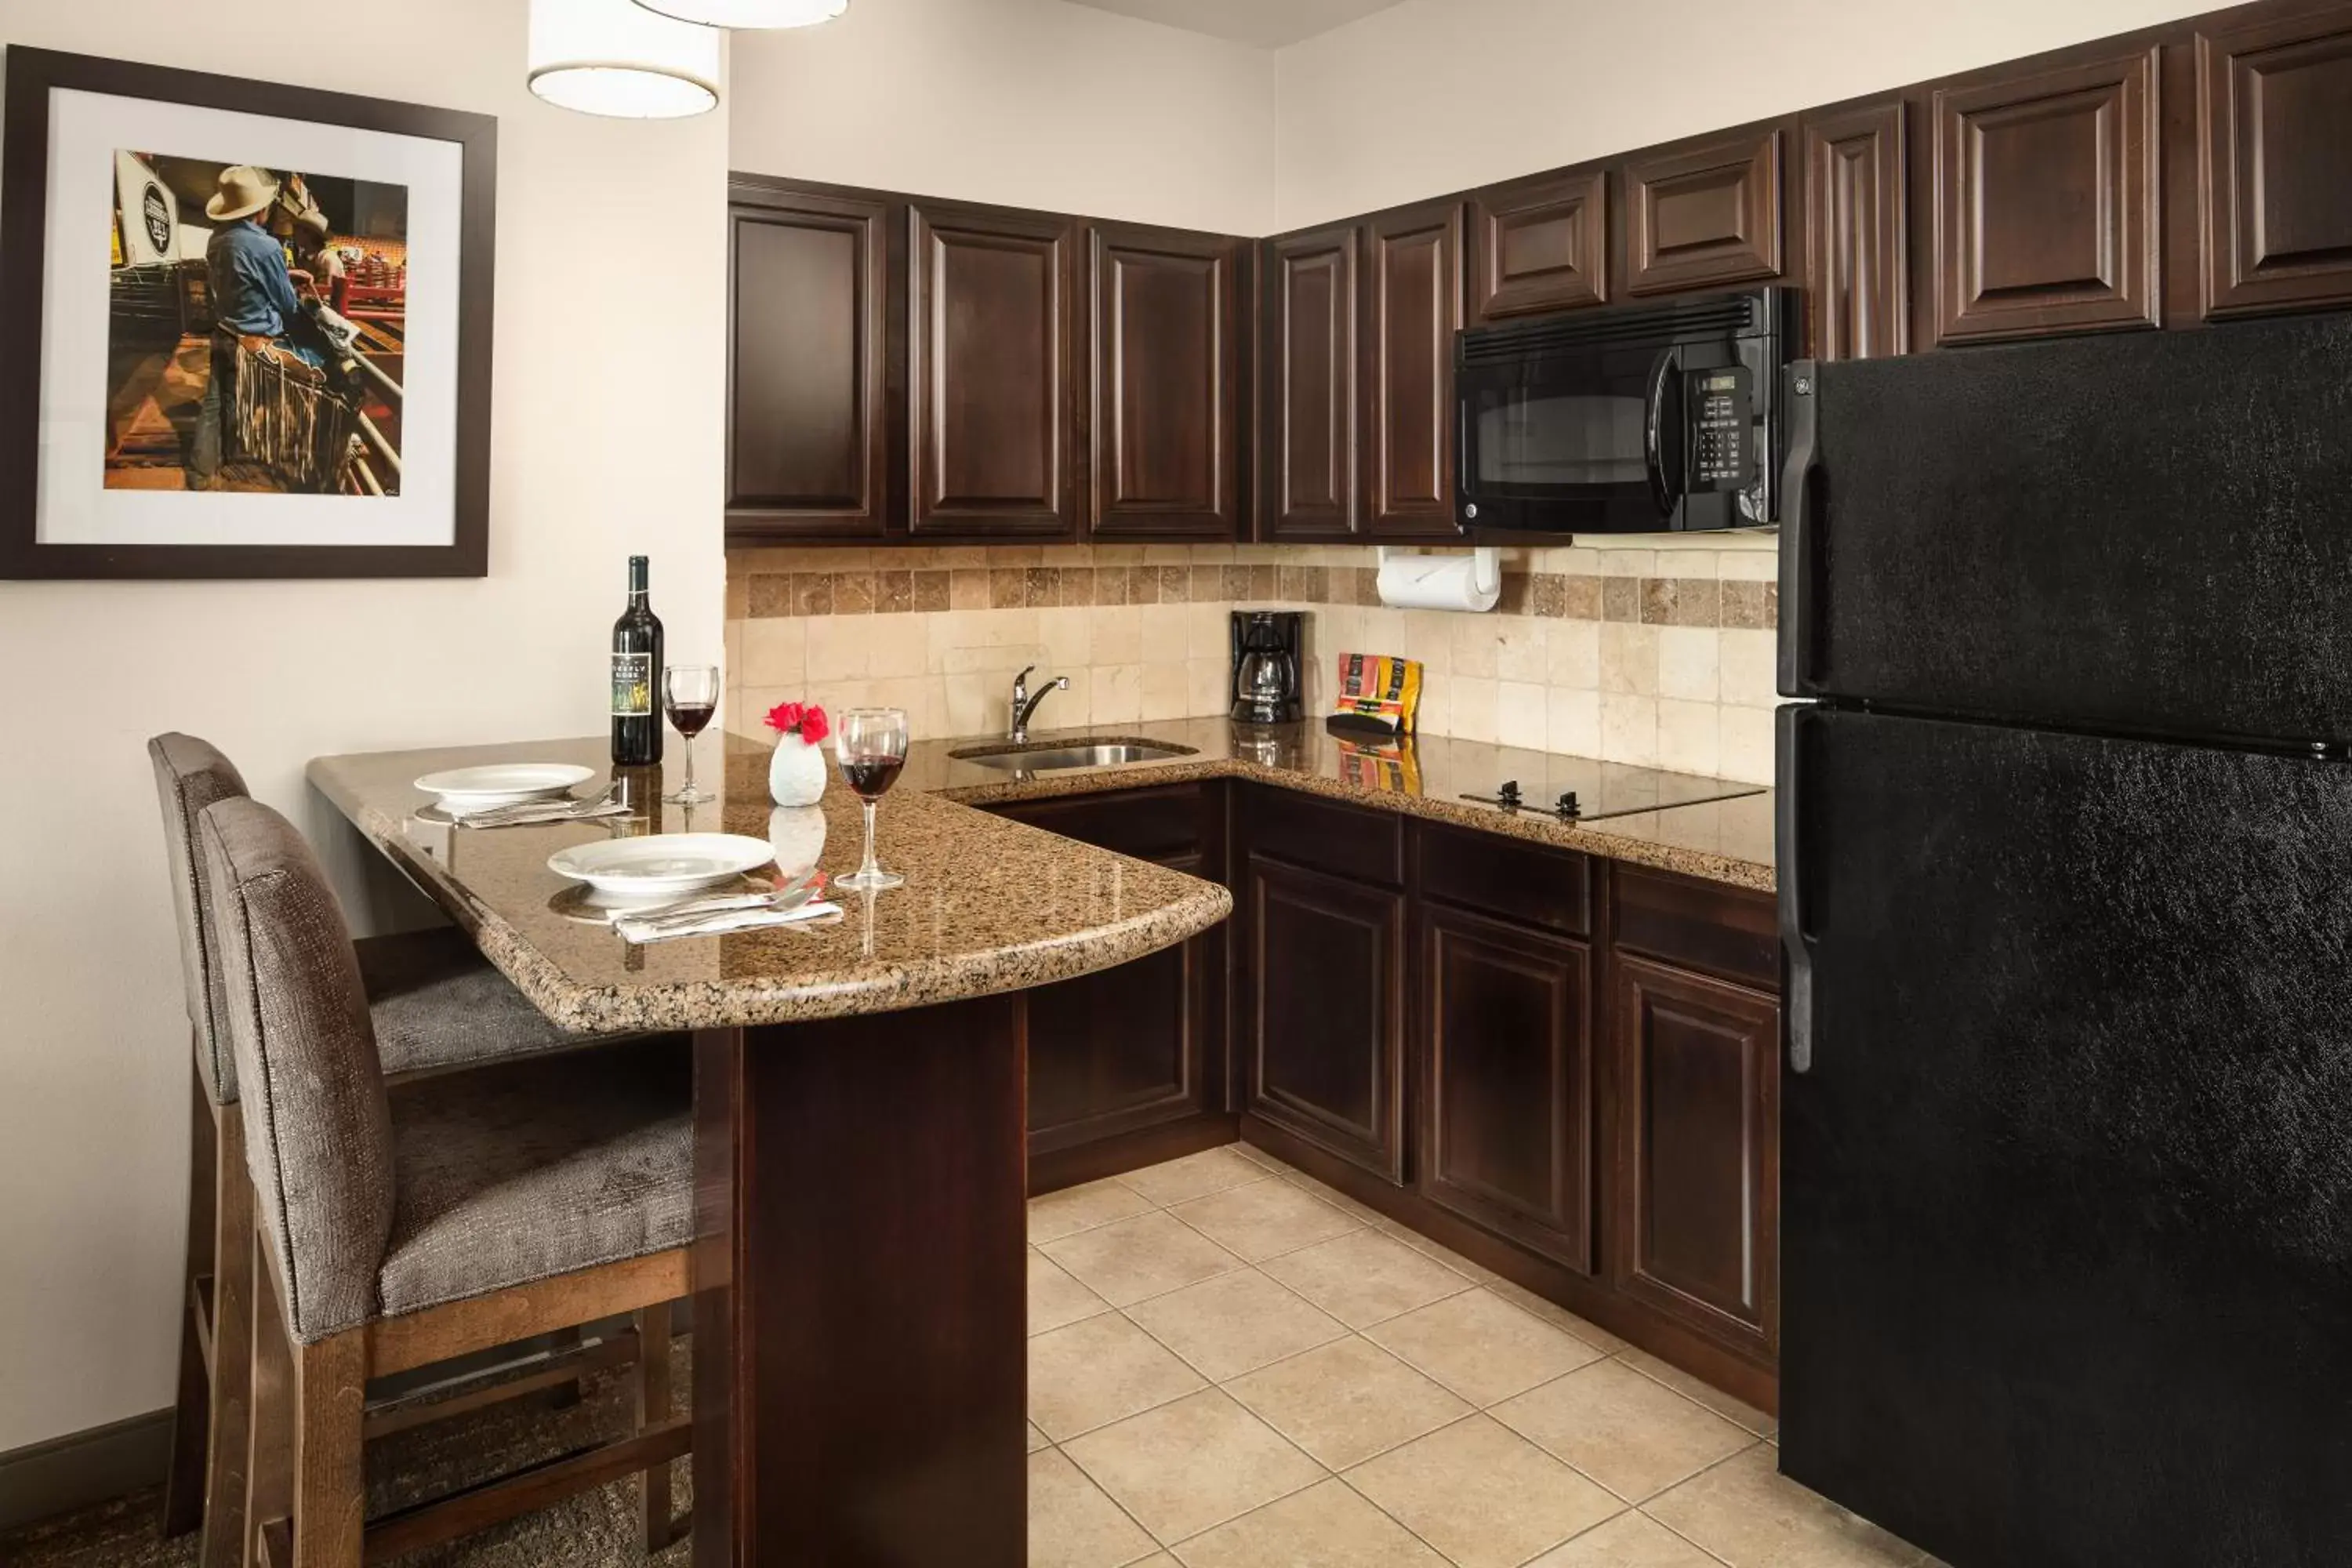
(750, 13)
(615, 58)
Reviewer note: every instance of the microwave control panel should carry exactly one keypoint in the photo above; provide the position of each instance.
(1721, 427)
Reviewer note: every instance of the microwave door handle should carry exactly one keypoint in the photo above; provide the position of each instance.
(1661, 488)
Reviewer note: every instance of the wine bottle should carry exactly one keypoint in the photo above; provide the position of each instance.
(636, 671)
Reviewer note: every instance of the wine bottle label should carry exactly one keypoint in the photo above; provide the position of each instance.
(633, 685)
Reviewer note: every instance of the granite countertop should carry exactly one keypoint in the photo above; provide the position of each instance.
(988, 905)
(1714, 828)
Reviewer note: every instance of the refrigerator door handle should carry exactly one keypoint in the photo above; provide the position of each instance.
(1799, 388)
(1796, 936)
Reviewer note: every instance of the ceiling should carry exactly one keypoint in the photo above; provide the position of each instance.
(1268, 23)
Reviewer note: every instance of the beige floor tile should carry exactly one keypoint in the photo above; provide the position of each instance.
(1557, 1316)
(1346, 1401)
(1258, 1156)
(1194, 1464)
(1210, 1169)
(1074, 1209)
(1632, 1435)
(1129, 1261)
(1332, 1196)
(1707, 1394)
(1037, 1439)
(1056, 1298)
(1366, 1276)
(1482, 1494)
(1445, 1255)
(1482, 1347)
(1263, 1219)
(1628, 1540)
(1326, 1526)
(1747, 1514)
(1097, 1371)
(1234, 1324)
(1072, 1524)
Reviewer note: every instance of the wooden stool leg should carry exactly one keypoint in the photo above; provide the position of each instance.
(232, 1376)
(653, 1408)
(184, 1483)
(330, 1488)
(269, 1459)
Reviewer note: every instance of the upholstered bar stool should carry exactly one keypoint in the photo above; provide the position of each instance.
(436, 1004)
(395, 1229)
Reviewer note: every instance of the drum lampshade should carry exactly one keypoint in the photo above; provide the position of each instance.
(615, 58)
(750, 13)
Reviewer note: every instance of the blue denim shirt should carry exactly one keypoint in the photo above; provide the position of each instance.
(251, 291)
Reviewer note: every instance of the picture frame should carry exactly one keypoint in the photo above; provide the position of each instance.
(296, 389)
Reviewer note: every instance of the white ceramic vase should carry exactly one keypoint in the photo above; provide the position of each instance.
(796, 833)
(796, 773)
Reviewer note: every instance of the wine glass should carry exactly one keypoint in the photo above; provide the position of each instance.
(690, 693)
(873, 748)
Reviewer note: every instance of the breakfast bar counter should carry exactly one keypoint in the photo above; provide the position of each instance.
(860, 1128)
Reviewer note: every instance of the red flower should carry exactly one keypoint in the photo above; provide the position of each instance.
(794, 719)
(785, 716)
(813, 724)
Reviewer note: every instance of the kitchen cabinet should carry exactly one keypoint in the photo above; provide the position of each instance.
(2048, 202)
(1412, 298)
(1855, 165)
(1539, 245)
(1166, 388)
(1308, 385)
(1704, 214)
(808, 364)
(2274, 164)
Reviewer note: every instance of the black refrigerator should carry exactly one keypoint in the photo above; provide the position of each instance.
(2066, 859)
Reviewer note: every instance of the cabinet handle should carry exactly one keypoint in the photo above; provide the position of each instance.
(1796, 937)
(1800, 390)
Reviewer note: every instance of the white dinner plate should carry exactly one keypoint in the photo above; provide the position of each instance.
(501, 783)
(661, 863)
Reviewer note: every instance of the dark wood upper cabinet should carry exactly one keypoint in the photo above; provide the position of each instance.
(1308, 384)
(2049, 197)
(1166, 392)
(1696, 1227)
(1539, 245)
(808, 292)
(2274, 121)
(992, 373)
(1508, 1106)
(1857, 231)
(1323, 1011)
(1704, 213)
(1412, 307)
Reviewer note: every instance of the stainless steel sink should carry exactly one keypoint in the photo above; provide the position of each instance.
(1087, 752)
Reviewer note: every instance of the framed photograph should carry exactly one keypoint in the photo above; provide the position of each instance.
(245, 328)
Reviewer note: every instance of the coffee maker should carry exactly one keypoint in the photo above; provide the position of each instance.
(1267, 679)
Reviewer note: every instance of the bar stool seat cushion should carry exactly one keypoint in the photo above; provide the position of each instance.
(518, 1172)
(437, 1003)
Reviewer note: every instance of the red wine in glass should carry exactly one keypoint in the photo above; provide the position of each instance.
(872, 748)
(690, 696)
(871, 778)
(691, 719)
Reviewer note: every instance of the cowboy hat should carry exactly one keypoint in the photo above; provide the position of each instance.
(244, 191)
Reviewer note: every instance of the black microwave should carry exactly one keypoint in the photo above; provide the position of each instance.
(1640, 419)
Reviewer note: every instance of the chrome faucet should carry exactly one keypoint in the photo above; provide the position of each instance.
(1023, 705)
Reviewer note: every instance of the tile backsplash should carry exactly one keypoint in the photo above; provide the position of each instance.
(1659, 654)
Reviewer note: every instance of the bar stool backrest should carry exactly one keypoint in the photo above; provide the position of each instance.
(190, 774)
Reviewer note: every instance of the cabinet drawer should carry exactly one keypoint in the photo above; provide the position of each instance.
(1729, 931)
(1149, 824)
(1504, 877)
(1363, 846)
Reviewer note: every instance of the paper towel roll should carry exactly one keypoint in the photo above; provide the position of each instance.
(1471, 582)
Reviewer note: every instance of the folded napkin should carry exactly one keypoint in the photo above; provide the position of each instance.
(524, 815)
(721, 922)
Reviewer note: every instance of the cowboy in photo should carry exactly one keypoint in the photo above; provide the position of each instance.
(253, 301)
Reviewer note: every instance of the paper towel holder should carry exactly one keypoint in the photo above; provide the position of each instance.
(1472, 582)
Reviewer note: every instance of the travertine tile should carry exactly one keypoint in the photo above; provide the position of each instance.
(1437, 1251)
(1557, 1316)
(1689, 735)
(1263, 1219)
(1747, 1514)
(1367, 1276)
(1072, 1524)
(1482, 1347)
(932, 591)
(1481, 1494)
(1235, 1323)
(1210, 1169)
(1130, 1260)
(853, 593)
(770, 594)
(1056, 1298)
(1628, 1540)
(1573, 722)
(1620, 598)
(1572, 654)
(812, 593)
(1629, 729)
(1707, 1394)
(1074, 1209)
(1098, 1371)
(968, 588)
(1750, 669)
(1329, 1195)
(1327, 1526)
(1188, 1465)
(1632, 1435)
(1346, 1401)
(1629, 661)
(1258, 1156)
(1037, 1439)
(1743, 604)
(1689, 663)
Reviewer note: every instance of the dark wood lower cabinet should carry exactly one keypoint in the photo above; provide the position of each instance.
(1697, 1225)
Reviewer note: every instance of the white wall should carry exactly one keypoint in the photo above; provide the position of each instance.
(1028, 103)
(605, 441)
(1435, 96)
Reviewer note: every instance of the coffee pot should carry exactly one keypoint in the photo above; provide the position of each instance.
(1266, 674)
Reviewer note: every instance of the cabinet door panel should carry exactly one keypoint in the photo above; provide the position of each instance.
(2274, 108)
(1413, 307)
(2048, 200)
(1508, 1096)
(1166, 383)
(1325, 1012)
(806, 446)
(991, 373)
(1539, 245)
(1309, 385)
(1857, 232)
(1698, 1146)
(1706, 215)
